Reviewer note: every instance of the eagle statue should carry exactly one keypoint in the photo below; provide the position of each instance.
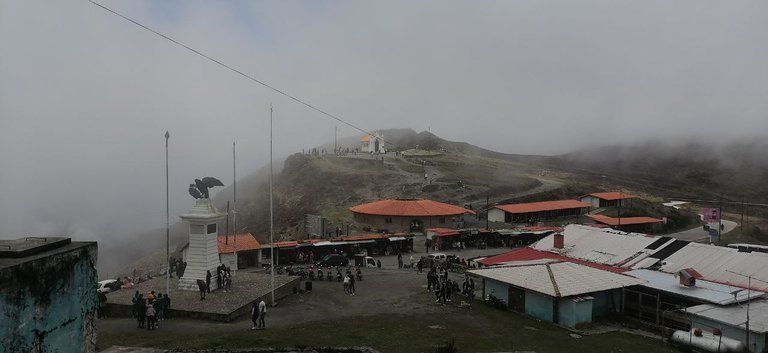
(199, 189)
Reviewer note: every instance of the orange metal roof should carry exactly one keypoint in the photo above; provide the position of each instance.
(286, 244)
(409, 208)
(610, 196)
(365, 138)
(624, 220)
(244, 242)
(542, 206)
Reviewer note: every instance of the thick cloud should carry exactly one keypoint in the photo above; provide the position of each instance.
(86, 97)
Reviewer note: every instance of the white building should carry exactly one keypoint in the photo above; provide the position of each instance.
(372, 143)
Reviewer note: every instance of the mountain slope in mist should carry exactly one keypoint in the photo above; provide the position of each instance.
(734, 171)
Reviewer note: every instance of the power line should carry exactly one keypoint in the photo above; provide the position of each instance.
(239, 72)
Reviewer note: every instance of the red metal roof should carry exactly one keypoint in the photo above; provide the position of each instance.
(609, 196)
(409, 208)
(623, 220)
(244, 242)
(443, 232)
(365, 138)
(528, 254)
(542, 206)
(364, 237)
(541, 229)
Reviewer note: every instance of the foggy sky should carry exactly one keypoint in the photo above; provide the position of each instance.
(85, 97)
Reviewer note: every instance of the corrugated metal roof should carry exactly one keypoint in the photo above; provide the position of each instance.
(609, 196)
(605, 246)
(611, 221)
(736, 315)
(528, 254)
(410, 208)
(542, 206)
(557, 279)
(714, 262)
(244, 242)
(706, 291)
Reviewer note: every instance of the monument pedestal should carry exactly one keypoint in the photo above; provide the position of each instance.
(203, 252)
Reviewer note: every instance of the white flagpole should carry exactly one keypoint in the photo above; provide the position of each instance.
(167, 221)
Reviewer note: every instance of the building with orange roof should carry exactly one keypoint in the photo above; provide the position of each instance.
(629, 224)
(535, 211)
(372, 143)
(608, 199)
(242, 249)
(408, 215)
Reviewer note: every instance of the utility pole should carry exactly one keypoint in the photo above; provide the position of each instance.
(167, 220)
(226, 234)
(487, 211)
(720, 222)
(335, 139)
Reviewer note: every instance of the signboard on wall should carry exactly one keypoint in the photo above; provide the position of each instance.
(314, 225)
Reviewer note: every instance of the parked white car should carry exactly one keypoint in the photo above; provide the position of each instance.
(438, 256)
(108, 285)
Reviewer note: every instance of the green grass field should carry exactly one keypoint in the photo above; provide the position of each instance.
(484, 330)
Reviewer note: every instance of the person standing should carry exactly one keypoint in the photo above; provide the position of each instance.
(351, 285)
(208, 282)
(166, 305)
(411, 264)
(420, 266)
(150, 316)
(262, 313)
(399, 260)
(141, 310)
(254, 314)
(346, 284)
(201, 285)
(159, 308)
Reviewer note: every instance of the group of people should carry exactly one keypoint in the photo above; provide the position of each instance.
(150, 309)
(225, 278)
(443, 287)
(305, 257)
(258, 310)
(349, 283)
(176, 266)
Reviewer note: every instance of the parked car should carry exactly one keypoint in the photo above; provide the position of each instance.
(333, 260)
(438, 256)
(108, 285)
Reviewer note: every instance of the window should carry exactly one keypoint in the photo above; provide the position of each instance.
(388, 220)
(212, 228)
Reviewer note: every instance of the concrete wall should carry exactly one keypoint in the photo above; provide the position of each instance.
(496, 215)
(402, 224)
(539, 306)
(606, 302)
(574, 312)
(498, 289)
(48, 304)
(594, 201)
(756, 341)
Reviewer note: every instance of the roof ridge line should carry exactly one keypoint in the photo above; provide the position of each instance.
(554, 282)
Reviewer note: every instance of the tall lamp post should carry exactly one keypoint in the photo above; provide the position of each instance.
(167, 220)
(271, 221)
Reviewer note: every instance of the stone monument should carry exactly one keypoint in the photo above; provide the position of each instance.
(203, 252)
